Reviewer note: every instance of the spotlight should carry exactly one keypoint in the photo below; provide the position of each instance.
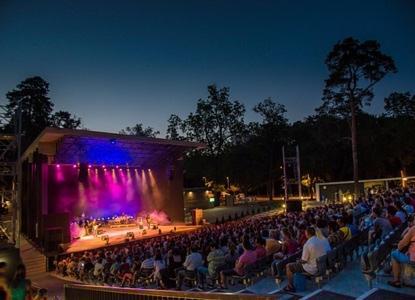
(58, 165)
(89, 166)
(113, 141)
(73, 166)
(103, 166)
(116, 166)
(149, 170)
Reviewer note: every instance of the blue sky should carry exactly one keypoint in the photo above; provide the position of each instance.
(117, 63)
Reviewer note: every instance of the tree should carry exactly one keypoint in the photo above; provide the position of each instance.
(272, 131)
(32, 96)
(139, 130)
(218, 121)
(64, 119)
(175, 125)
(354, 69)
(400, 105)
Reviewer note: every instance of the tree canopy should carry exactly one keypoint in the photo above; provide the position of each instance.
(140, 130)
(31, 96)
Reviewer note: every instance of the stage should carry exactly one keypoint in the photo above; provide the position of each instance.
(117, 236)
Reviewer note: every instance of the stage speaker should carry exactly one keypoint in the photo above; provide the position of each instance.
(294, 205)
(56, 230)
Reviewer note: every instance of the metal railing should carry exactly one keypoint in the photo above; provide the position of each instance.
(88, 292)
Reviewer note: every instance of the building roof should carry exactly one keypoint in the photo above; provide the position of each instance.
(69, 146)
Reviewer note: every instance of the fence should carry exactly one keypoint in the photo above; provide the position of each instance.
(77, 292)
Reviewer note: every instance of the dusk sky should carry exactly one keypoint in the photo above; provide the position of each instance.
(117, 63)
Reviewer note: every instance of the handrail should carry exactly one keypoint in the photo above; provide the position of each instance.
(79, 291)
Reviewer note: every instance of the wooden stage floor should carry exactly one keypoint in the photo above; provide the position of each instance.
(117, 236)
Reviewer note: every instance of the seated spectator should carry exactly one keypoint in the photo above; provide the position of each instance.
(302, 237)
(344, 229)
(248, 257)
(148, 262)
(159, 266)
(289, 246)
(382, 226)
(42, 294)
(260, 248)
(271, 243)
(193, 261)
(19, 285)
(401, 213)
(393, 219)
(215, 260)
(335, 235)
(404, 254)
(312, 250)
(353, 228)
(408, 206)
(322, 228)
(98, 268)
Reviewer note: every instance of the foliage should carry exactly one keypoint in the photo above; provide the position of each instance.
(218, 121)
(64, 119)
(31, 95)
(400, 105)
(175, 128)
(354, 68)
(140, 130)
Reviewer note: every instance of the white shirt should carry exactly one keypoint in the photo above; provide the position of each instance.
(313, 249)
(193, 261)
(98, 268)
(147, 263)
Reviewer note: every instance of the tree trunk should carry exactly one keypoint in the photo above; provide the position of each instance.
(354, 149)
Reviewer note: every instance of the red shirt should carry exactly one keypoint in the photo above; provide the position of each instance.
(395, 221)
(292, 247)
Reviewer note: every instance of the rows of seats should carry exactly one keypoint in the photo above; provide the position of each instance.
(373, 260)
(329, 264)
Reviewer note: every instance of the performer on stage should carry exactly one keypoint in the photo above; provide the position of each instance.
(95, 226)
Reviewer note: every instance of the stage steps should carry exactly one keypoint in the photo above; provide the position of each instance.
(33, 259)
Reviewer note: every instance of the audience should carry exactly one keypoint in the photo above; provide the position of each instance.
(404, 254)
(218, 251)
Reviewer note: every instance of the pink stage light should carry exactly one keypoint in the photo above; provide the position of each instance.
(89, 166)
(58, 165)
(73, 166)
(103, 166)
(116, 166)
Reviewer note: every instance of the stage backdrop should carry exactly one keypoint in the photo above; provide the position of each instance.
(105, 192)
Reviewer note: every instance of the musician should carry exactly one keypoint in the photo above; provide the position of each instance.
(148, 219)
(95, 226)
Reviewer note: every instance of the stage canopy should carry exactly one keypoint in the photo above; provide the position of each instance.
(67, 146)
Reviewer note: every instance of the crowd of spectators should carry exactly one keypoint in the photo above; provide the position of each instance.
(218, 251)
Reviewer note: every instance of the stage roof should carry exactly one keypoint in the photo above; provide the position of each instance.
(68, 146)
